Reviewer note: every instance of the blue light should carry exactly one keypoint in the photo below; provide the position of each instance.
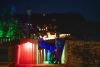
(53, 48)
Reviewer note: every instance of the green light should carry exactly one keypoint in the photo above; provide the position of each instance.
(1, 33)
(11, 29)
(46, 62)
(44, 55)
(10, 33)
(1, 28)
(48, 56)
(63, 56)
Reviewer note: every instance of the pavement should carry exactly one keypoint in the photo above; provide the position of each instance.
(42, 65)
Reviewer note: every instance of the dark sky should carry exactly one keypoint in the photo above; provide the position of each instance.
(90, 9)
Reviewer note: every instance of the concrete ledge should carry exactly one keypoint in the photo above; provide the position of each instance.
(42, 65)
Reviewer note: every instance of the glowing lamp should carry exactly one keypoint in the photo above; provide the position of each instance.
(28, 45)
(63, 35)
(50, 37)
(68, 34)
(39, 29)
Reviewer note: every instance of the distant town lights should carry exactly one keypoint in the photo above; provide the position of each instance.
(63, 35)
(28, 24)
(43, 14)
(44, 29)
(68, 34)
(50, 37)
(39, 29)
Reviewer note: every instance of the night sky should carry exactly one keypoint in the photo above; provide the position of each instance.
(90, 9)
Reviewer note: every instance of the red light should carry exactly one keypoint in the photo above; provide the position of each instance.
(26, 53)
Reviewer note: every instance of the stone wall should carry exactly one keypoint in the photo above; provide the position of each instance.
(83, 53)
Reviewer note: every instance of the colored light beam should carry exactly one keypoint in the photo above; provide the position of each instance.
(28, 45)
(26, 53)
(63, 56)
(48, 56)
(44, 55)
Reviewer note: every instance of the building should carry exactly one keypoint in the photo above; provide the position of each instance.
(83, 50)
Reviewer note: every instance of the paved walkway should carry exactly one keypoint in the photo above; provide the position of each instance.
(42, 65)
